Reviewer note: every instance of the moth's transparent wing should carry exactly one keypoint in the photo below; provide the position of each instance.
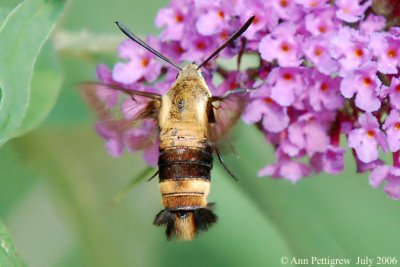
(224, 112)
(121, 110)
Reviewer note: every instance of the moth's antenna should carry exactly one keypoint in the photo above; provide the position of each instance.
(140, 42)
(233, 37)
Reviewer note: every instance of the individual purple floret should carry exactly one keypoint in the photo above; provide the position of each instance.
(389, 174)
(310, 132)
(331, 161)
(372, 24)
(350, 48)
(283, 45)
(366, 85)
(324, 93)
(351, 11)
(366, 139)
(286, 9)
(286, 168)
(274, 117)
(316, 51)
(174, 17)
(141, 64)
(286, 84)
(322, 21)
(213, 16)
(394, 93)
(386, 49)
(392, 129)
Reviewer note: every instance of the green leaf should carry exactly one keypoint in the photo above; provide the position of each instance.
(17, 178)
(22, 36)
(8, 256)
(6, 7)
(45, 88)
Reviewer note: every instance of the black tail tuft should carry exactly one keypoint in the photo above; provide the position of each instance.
(185, 224)
(204, 218)
(168, 218)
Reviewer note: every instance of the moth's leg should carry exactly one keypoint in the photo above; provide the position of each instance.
(223, 164)
(154, 175)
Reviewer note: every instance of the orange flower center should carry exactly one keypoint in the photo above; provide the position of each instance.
(285, 47)
(287, 76)
(284, 3)
(317, 52)
(397, 88)
(224, 35)
(221, 14)
(179, 49)
(256, 20)
(371, 133)
(145, 62)
(200, 46)
(322, 29)
(392, 53)
(397, 126)
(178, 18)
(313, 4)
(358, 52)
(268, 100)
(324, 87)
(367, 81)
(233, 85)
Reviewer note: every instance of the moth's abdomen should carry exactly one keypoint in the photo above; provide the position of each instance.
(184, 174)
(185, 162)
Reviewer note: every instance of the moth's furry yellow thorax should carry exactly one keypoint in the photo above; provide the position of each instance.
(185, 104)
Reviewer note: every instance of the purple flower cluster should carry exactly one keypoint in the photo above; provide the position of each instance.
(326, 69)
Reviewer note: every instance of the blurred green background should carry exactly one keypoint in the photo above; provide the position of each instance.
(57, 183)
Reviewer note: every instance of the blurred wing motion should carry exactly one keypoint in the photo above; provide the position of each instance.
(120, 110)
(223, 113)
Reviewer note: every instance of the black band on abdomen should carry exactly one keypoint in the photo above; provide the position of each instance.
(185, 162)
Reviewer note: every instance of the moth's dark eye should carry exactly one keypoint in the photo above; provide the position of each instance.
(202, 74)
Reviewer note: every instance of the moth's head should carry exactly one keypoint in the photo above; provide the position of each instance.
(189, 72)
